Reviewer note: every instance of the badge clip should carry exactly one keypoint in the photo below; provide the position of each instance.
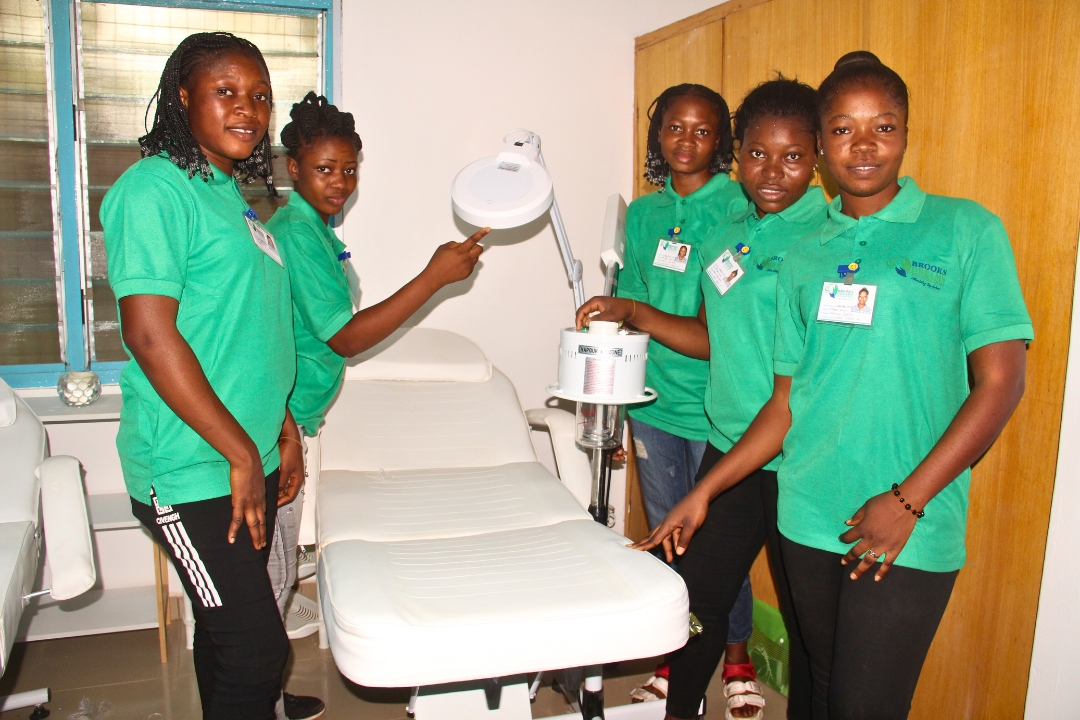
(674, 232)
(742, 249)
(847, 272)
(250, 214)
(344, 256)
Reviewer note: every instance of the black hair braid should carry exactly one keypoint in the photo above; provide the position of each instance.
(171, 132)
(778, 98)
(656, 168)
(861, 68)
(314, 117)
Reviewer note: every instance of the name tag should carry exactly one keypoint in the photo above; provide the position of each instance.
(264, 240)
(847, 304)
(672, 255)
(725, 272)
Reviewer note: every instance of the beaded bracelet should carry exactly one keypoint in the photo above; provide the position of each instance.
(907, 505)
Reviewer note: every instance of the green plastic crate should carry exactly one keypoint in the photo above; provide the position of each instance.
(768, 647)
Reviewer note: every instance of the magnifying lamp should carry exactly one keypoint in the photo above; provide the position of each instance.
(511, 189)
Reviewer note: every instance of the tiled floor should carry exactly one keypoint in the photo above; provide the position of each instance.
(124, 669)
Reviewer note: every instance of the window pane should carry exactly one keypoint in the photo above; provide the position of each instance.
(29, 314)
(123, 50)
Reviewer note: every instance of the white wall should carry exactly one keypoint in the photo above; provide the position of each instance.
(434, 85)
(1054, 683)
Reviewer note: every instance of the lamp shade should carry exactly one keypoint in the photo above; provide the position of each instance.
(505, 190)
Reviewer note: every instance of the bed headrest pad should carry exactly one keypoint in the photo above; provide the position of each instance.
(421, 354)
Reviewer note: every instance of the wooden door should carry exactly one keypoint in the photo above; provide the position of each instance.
(995, 111)
(694, 56)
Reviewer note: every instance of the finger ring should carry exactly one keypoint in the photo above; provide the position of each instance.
(871, 553)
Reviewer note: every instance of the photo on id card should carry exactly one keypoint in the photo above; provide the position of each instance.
(847, 304)
(725, 272)
(672, 255)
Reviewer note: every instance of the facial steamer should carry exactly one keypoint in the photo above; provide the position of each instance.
(601, 367)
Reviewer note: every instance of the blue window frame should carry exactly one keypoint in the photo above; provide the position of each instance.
(74, 195)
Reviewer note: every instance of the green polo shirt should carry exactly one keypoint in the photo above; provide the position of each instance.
(321, 306)
(742, 321)
(185, 238)
(678, 380)
(869, 403)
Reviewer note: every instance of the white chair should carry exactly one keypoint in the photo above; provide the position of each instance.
(450, 560)
(27, 475)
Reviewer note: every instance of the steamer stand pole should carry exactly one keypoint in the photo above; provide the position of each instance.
(601, 423)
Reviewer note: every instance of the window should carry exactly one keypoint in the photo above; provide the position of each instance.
(103, 60)
(30, 288)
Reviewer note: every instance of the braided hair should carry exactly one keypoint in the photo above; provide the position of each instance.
(777, 98)
(171, 133)
(861, 68)
(656, 167)
(314, 117)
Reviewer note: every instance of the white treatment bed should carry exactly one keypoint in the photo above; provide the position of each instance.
(449, 556)
(37, 491)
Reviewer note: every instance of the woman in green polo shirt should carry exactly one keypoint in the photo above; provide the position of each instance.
(689, 158)
(206, 319)
(776, 133)
(873, 408)
(322, 162)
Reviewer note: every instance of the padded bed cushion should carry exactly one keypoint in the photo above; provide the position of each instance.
(18, 567)
(426, 612)
(444, 503)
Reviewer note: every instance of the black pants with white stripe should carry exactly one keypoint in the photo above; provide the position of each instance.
(240, 642)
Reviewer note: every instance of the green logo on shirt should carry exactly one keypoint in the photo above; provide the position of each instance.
(769, 263)
(932, 276)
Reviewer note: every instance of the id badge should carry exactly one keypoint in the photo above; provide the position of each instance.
(725, 272)
(672, 255)
(264, 240)
(847, 304)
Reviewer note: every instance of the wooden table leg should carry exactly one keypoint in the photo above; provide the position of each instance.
(161, 583)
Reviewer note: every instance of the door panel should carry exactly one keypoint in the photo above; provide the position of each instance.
(695, 56)
(994, 106)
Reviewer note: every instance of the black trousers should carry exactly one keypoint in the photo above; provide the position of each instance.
(714, 566)
(867, 640)
(240, 642)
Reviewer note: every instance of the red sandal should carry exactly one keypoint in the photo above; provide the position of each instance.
(741, 693)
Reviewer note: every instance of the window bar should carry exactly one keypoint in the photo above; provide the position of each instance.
(83, 175)
(321, 47)
(74, 345)
(54, 181)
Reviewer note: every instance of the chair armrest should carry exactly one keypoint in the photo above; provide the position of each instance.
(573, 463)
(67, 527)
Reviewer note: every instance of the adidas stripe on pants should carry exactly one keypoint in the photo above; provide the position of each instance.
(240, 642)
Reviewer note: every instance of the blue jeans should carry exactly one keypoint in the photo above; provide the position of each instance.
(667, 465)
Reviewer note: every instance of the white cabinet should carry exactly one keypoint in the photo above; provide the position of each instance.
(131, 589)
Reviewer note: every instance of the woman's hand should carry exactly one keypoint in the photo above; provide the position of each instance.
(678, 526)
(292, 470)
(881, 526)
(608, 308)
(455, 261)
(248, 485)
